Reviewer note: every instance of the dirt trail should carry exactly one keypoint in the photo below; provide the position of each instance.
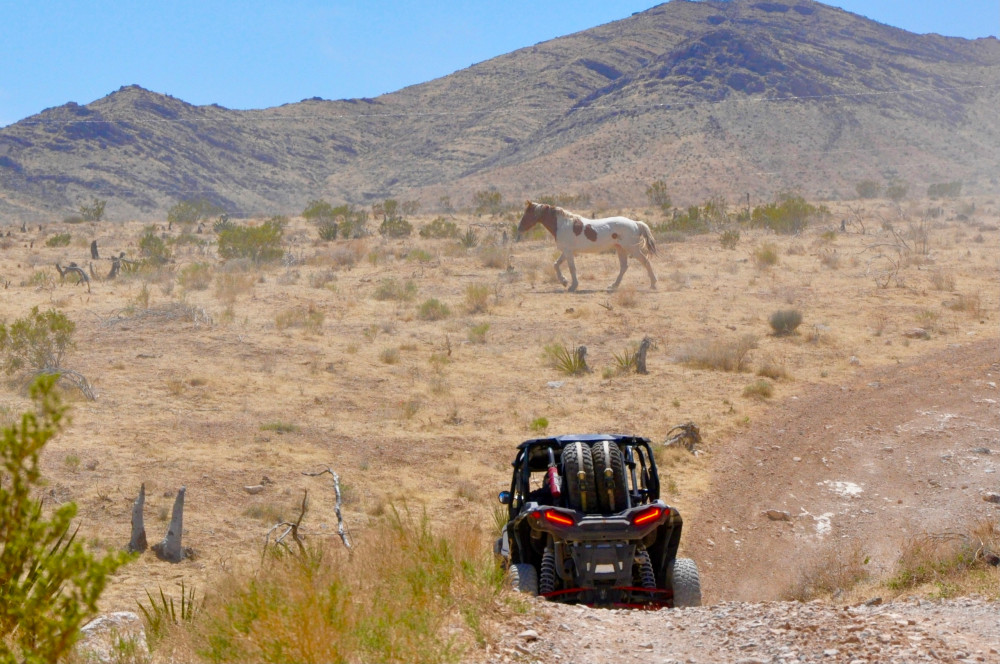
(894, 453)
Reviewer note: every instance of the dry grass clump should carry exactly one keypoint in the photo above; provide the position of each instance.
(433, 309)
(759, 389)
(477, 298)
(785, 321)
(393, 289)
(229, 286)
(408, 594)
(765, 255)
(942, 280)
(195, 276)
(307, 317)
(950, 564)
(718, 354)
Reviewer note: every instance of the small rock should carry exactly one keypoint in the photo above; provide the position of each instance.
(991, 497)
(874, 601)
(254, 489)
(528, 635)
(854, 360)
(778, 515)
(916, 333)
(555, 384)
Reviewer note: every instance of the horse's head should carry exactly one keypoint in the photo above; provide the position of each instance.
(536, 213)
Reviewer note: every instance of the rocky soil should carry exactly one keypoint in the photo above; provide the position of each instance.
(895, 454)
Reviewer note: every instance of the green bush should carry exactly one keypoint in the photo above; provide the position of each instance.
(49, 584)
(440, 229)
(785, 322)
(196, 276)
(318, 211)
(59, 240)
(260, 244)
(729, 239)
(944, 190)
(94, 211)
(391, 289)
(395, 227)
(153, 247)
(788, 215)
(191, 211)
(37, 342)
(328, 230)
(433, 309)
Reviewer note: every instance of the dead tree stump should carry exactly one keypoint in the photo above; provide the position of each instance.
(581, 359)
(93, 251)
(170, 548)
(640, 355)
(137, 543)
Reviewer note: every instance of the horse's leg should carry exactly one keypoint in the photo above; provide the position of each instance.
(622, 266)
(641, 257)
(559, 273)
(572, 270)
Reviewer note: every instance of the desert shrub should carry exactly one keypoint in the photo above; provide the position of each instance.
(785, 321)
(395, 227)
(477, 333)
(868, 189)
(259, 244)
(440, 229)
(759, 389)
(949, 564)
(191, 211)
(729, 238)
(328, 230)
(419, 255)
(658, 196)
(49, 584)
(59, 240)
(690, 222)
(152, 247)
(558, 356)
(539, 424)
(223, 223)
(94, 211)
(433, 309)
(788, 215)
(765, 255)
(718, 354)
(839, 570)
(37, 342)
(195, 276)
(392, 289)
(477, 298)
(318, 211)
(769, 369)
(389, 355)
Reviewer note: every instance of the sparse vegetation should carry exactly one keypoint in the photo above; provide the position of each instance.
(58, 240)
(571, 362)
(393, 289)
(440, 229)
(433, 309)
(718, 354)
(260, 244)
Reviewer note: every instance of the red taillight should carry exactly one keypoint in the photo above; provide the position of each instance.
(646, 516)
(556, 517)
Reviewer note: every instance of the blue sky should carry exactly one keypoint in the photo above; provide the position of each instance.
(256, 54)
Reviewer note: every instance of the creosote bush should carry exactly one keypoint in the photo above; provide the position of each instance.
(785, 322)
(259, 244)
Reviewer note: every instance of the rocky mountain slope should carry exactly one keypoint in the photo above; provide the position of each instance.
(713, 97)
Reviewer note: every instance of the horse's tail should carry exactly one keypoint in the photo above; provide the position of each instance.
(647, 238)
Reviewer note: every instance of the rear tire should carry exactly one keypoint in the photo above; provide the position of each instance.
(523, 578)
(578, 471)
(683, 577)
(547, 576)
(609, 474)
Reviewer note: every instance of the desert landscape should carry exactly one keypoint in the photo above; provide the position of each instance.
(320, 315)
(221, 375)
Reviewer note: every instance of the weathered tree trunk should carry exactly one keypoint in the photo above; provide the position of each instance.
(93, 250)
(581, 358)
(137, 543)
(170, 548)
(640, 355)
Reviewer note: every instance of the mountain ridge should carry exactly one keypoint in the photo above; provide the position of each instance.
(715, 98)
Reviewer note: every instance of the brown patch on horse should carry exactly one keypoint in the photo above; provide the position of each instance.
(577, 227)
(590, 233)
(614, 236)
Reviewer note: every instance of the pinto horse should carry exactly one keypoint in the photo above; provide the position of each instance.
(574, 233)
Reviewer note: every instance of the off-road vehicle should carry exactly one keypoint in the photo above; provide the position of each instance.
(586, 525)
